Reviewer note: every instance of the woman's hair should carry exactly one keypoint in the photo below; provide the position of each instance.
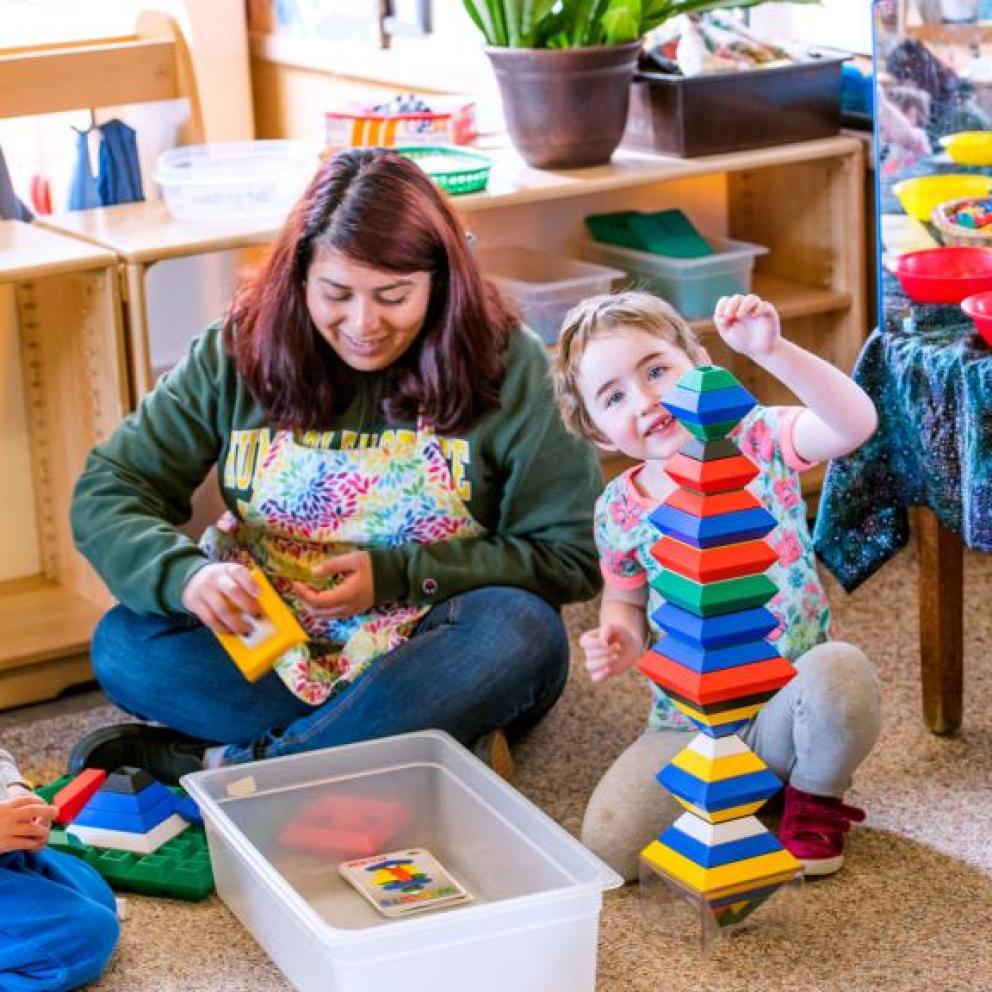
(380, 210)
(600, 315)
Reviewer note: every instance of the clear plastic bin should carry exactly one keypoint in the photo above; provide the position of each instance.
(532, 926)
(234, 180)
(691, 285)
(543, 286)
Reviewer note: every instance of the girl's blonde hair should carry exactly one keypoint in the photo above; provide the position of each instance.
(599, 315)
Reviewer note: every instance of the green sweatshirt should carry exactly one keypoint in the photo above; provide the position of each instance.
(523, 478)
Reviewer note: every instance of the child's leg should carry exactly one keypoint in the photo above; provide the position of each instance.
(58, 926)
(628, 808)
(816, 730)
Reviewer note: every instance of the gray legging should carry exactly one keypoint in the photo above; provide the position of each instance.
(813, 734)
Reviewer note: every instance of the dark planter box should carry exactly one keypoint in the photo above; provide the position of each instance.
(729, 112)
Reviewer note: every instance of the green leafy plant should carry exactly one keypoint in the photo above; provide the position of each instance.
(580, 23)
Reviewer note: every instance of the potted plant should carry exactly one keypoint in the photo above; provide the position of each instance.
(564, 69)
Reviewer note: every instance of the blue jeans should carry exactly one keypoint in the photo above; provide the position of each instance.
(492, 657)
(58, 922)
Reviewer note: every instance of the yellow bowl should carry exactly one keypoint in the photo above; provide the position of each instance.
(969, 147)
(919, 196)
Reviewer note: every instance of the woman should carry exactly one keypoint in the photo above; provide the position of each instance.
(390, 456)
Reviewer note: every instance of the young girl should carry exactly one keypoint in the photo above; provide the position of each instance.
(618, 355)
(58, 922)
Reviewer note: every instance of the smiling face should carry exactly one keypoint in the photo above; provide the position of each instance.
(368, 316)
(622, 375)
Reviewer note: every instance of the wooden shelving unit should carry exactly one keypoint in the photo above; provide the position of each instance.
(75, 388)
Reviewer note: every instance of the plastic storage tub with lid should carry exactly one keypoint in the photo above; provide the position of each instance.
(543, 286)
(234, 180)
(531, 927)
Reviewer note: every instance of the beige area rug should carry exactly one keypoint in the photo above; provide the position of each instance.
(912, 909)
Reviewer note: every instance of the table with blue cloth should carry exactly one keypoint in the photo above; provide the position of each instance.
(930, 376)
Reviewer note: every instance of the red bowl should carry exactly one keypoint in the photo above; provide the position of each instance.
(944, 275)
(979, 308)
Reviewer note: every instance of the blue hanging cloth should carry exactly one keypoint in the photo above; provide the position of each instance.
(11, 208)
(119, 179)
(83, 192)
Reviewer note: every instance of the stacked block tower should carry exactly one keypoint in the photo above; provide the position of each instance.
(714, 662)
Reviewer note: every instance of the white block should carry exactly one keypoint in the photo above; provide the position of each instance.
(124, 840)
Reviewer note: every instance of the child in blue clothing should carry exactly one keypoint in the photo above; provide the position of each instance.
(618, 355)
(58, 921)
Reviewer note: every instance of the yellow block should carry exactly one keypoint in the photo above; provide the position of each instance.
(274, 634)
(723, 880)
(718, 769)
(716, 719)
(722, 815)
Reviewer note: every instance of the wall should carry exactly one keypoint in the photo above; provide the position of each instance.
(840, 23)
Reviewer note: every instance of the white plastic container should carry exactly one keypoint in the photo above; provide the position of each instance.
(543, 286)
(532, 926)
(234, 180)
(691, 285)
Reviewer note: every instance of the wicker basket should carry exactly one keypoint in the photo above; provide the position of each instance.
(456, 171)
(950, 233)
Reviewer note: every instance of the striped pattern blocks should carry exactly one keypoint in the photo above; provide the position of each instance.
(714, 662)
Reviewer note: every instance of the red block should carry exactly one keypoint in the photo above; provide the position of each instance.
(71, 798)
(345, 826)
(717, 476)
(700, 505)
(730, 561)
(739, 682)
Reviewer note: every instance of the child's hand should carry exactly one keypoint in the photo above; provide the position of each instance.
(748, 324)
(25, 822)
(610, 650)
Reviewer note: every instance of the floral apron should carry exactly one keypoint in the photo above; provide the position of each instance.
(311, 503)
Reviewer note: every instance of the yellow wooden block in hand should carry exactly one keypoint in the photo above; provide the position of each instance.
(273, 633)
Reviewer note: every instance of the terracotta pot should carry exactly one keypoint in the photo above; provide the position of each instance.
(565, 108)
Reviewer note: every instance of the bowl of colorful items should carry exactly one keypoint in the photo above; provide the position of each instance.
(979, 309)
(964, 222)
(944, 275)
(968, 147)
(920, 196)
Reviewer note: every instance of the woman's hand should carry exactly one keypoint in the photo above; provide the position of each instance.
(610, 649)
(221, 596)
(748, 324)
(25, 821)
(354, 594)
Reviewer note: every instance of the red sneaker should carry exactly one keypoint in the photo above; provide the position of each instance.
(813, 829)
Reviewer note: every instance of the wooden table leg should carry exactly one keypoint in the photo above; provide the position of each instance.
(941, 622)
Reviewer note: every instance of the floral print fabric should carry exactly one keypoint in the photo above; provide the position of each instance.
(624, 538)
(309, 503)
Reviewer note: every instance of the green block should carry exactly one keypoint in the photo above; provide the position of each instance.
(666, 232)
(705, 378)
(713, 598)
(180, 868)
(710, 432)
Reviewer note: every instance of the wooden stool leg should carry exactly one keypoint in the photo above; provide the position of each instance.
(941, 634)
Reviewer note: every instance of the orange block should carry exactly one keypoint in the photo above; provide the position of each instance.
(716, 476)
(700, 505)
(739, 682)
(729, 561)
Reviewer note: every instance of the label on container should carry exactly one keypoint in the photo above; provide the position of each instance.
(403, 882)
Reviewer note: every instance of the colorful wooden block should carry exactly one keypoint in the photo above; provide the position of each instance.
(710, 599)
(713, 531)
(710, 845)
(701, 659)
(730, 561)
(701, 505)
(718, 476)
(741, 681)
(719, 723)
(708, 451)
(703, 378)
(715, 632)
(124, 840)
(127, 780)
(710, 406)
(722, 795)
(71, 798)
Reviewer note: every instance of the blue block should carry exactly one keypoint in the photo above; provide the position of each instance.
(703, 660)
(719, 854)
(721, 631)
(714, 796)
(124, 802)
(713, 406)
(107, 811)
(720, 730)
(715, 531)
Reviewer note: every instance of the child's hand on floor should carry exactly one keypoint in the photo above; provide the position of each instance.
(611, 649)
(25, 821)
(748, 324)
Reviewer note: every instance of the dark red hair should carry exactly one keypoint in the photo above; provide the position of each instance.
(380, 210)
